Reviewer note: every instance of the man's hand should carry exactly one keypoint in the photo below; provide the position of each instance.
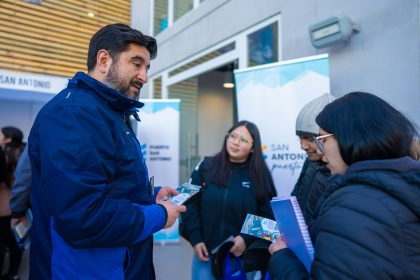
(239, 247)
(173, 211)
(164, 192)
(278, 245)
(201, 252)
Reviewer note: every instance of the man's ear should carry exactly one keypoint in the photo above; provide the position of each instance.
(103, 61)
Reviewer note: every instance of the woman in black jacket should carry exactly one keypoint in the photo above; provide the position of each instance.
(12, 145)
(366, 224)
(235, 182)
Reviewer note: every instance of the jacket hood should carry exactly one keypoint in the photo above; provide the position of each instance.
(398, 177)
(112, 96)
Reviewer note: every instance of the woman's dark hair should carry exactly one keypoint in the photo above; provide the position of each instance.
(367, 128)
(258, 170)
(116, 38)
(12, 151)
(14, 134)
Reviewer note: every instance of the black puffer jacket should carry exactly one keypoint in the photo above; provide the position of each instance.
(367, 226)
(312, 182)
(218, 212)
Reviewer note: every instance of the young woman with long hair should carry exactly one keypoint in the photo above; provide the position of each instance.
(235, 182)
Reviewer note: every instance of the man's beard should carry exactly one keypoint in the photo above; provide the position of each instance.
(113, 80)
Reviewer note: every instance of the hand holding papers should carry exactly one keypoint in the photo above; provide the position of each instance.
(185, 191)
(260, 227)
(292, 224)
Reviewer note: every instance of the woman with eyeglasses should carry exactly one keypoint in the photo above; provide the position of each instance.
(367, 224)
(236, 181)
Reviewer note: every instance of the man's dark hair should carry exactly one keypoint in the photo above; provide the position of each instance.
(367, 128)
(115, 38)
(259, 173)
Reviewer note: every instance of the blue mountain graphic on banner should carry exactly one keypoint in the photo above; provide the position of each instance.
(280, 74)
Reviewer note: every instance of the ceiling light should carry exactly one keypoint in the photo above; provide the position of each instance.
(228, 80)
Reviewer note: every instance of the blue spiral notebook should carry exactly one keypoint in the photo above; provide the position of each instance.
(293, 227)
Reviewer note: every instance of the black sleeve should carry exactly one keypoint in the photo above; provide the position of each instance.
(284, 264)
(3, 167)
(299, 181)
(189, 222)
(263, 209)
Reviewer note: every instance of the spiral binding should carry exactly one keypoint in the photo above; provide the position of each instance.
(303, 228)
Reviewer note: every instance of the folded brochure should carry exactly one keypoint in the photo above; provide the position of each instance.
(260, 227)
(185, 191)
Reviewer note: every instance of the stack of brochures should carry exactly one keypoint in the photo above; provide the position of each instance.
(185, 191)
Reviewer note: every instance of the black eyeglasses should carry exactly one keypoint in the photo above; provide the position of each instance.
(320, 140)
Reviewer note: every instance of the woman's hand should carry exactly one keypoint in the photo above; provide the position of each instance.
(239, 247)
(201, 252)
(278, 245)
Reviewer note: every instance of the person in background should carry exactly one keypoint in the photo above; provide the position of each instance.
(367, 224)
(93, 204)
(20, 200)
(12, 145)
(313, 178)
(236, 182)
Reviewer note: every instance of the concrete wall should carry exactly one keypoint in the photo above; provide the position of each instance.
(383, 58)
(20, 114)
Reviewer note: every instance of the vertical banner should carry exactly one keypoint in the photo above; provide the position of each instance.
(158, 133)
(271, 96)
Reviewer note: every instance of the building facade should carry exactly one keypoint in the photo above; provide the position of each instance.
(200, 43)
(195, 49)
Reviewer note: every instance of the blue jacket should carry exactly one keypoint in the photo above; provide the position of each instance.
(21, 189)
(366, 226)
(94, 214)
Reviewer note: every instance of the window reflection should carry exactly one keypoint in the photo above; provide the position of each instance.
(160, 16)
(181, 7)
(263, 45)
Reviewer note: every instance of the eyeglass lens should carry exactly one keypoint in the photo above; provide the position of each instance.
(235, 136)
(319, 145)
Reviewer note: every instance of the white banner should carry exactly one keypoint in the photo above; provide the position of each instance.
(31, 82)
(158, 133)
(271, 96)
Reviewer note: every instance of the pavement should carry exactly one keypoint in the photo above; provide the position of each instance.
(171, 260)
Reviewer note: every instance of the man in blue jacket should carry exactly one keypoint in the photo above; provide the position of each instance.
(94, 208)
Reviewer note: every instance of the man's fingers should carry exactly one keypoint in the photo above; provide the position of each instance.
(182, 208)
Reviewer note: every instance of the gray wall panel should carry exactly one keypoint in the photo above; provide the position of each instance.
(383, 58)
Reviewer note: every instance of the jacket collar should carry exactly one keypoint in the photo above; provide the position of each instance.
(403, 164)
(397, 177)
(115, 99)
